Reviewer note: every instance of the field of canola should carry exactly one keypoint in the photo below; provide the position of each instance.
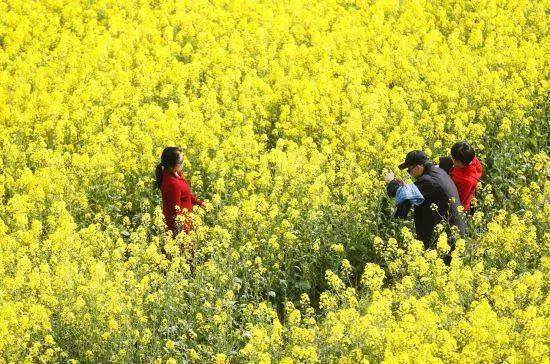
(289, 113)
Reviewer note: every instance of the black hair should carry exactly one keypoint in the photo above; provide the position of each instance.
(169, 158)
(446, 163)
(391, 188)
(463, 152)
(428, 166)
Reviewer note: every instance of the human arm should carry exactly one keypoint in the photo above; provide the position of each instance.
(172, 199)
(465, 190)
(196, 201)
(424, 187)
(402, 209)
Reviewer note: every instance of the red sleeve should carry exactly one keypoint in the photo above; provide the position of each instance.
(465, 190)
(172, 199)
(196, 201)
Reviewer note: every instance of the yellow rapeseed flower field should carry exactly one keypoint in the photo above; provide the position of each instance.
(289, 113)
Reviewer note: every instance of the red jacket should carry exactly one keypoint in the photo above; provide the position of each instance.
(176, 191)
(466, 180)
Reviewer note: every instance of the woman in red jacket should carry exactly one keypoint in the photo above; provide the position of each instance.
(176, 192)
(466, 172)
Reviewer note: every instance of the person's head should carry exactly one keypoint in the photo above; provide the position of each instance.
(415, 163)
(446, 163)
(393, 186)
(170, 160)
(462, 154)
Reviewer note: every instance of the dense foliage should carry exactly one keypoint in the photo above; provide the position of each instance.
(289, 114)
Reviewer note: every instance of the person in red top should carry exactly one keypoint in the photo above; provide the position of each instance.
(175, 190)
(465, 173)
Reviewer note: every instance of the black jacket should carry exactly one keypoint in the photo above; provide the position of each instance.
(437, 188)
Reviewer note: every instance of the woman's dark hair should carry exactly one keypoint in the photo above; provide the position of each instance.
(391, 188)
(169, 158)
(446, 163)
(463, 152)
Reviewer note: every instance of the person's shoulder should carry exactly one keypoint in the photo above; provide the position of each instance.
(169, 181)
(168, 177)
(437, 172)
(421, 179)
(426, 177)
(424, 181)
(442, 176)
(429, 180)
(477, 167)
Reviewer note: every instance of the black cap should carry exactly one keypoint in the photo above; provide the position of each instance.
(413, 158)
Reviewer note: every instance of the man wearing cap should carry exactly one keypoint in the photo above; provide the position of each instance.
(438, 189)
